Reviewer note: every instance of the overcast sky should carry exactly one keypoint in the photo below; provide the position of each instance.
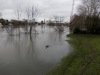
(49, 8)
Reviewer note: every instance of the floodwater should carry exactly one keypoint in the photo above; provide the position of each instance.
(35, 55)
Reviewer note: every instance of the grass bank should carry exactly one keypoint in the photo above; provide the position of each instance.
(84, 60)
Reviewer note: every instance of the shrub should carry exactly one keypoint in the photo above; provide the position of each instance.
(76, 30)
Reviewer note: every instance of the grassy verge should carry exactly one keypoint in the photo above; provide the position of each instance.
(84, 60)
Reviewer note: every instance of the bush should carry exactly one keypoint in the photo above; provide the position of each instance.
(83, 32)
(92, 24)
(76, 30)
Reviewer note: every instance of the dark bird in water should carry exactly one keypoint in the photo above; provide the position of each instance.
(47, 46)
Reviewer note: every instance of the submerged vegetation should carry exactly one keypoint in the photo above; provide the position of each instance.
(84, 60)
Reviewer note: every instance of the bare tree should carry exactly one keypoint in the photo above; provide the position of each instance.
(59, 21)
(18, 12)
(89, 7)
(32, 13)
(35, 13)
(28, 15)
(28, 11)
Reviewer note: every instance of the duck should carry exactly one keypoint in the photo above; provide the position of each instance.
(47, 46)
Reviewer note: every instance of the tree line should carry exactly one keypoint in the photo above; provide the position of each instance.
(88, 18)
(30, 13)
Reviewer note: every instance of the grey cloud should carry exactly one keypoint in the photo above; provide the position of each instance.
(48, 8)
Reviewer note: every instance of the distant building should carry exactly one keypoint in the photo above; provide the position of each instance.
(1, 25)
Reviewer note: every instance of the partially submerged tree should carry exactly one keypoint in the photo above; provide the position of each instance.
(35, 13)
(59, 22)
(32, 13)
(18, 14)
(28, 15)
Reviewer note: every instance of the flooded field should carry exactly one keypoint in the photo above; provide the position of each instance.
(35, 55)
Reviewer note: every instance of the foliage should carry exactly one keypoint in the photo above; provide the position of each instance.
(88, 17)
(84, 60)
(4, 21)
(77, 21)
(92, 23)
(76, 30)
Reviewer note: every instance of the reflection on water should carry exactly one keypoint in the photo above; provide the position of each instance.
(28, 55)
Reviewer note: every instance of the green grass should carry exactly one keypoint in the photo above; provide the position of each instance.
(84, 60)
